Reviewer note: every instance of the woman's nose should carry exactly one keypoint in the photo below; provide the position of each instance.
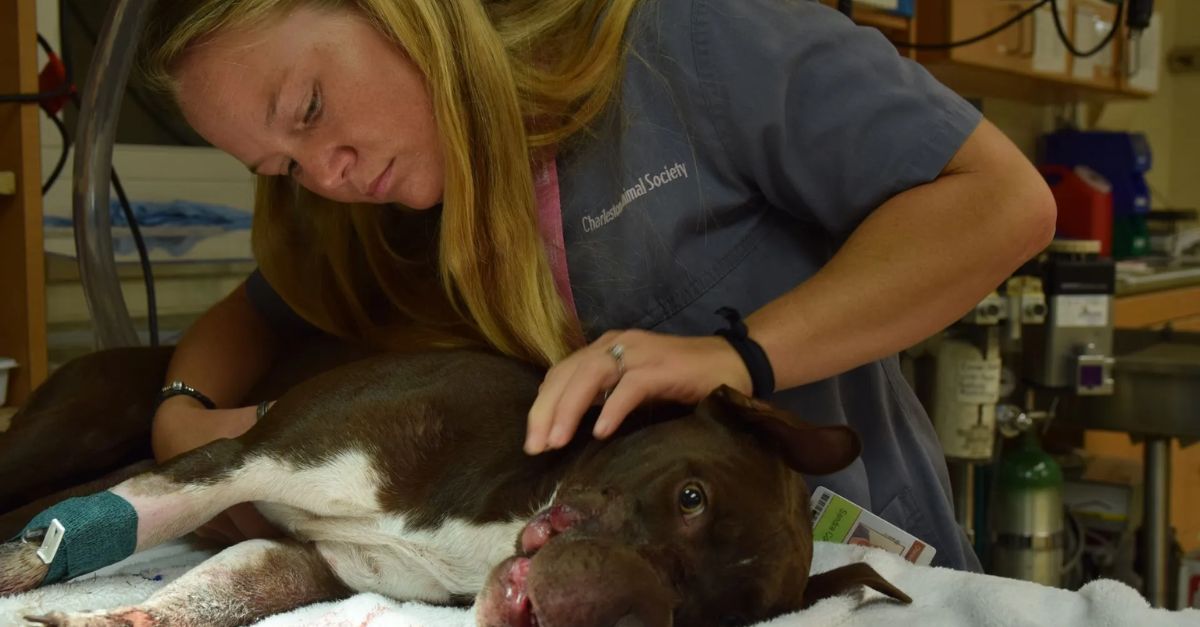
(331, 167)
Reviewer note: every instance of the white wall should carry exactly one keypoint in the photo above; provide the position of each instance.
(1184, 189)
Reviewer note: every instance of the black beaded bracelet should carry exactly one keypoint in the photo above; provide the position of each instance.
(762, 376)
(179, 388)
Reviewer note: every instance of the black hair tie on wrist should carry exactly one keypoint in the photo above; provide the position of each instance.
(762, 376)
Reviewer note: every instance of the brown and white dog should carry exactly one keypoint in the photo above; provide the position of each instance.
(404, 475)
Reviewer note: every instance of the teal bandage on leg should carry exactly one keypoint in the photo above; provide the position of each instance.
(99, 530)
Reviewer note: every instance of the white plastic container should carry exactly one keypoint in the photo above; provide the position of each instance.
(6, 366)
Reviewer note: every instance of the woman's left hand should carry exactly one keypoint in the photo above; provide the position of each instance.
(624, 369)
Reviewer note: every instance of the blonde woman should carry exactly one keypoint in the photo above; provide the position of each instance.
(584, 184)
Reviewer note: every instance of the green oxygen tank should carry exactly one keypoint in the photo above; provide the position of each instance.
(1028, 527)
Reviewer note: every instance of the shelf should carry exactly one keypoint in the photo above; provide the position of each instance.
(981, 81)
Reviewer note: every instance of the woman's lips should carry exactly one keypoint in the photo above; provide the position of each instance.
(383, 184)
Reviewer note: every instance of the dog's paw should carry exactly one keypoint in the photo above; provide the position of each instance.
(54, 619)
(116, 618)
(20, 567)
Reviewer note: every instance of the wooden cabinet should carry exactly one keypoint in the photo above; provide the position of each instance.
(1028, 60)
(1012, 49)
(1090, 22)
(22, 296)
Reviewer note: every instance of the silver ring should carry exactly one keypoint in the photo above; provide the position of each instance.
(618, 353)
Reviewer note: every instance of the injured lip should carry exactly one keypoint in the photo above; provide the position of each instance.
(518, 606)
(547, 524)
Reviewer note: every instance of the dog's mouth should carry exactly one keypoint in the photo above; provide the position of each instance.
(517, 604)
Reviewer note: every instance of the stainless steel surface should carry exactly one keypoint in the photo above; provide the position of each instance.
(1075, 325)
(1157, 396)
(102, 96)
(1157, 519)
(1171, 358)
(1157, 381)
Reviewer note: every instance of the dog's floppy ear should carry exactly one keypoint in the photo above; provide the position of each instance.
(806, 448)
(841, 580)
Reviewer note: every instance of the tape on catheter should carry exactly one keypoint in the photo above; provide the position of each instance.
(97, 530)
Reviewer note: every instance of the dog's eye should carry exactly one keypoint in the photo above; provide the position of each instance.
(692, 499)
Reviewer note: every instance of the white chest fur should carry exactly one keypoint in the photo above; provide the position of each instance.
(334, 505)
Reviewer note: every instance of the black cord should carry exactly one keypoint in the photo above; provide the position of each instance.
(38, 97)
(62, 156)
(68, 89)
(64, 90)
(143, 257)
(1062, 34)
(45, 44)
(1054, 10)
(981, 36)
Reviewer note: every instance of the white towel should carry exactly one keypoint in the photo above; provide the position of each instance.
(940, 597)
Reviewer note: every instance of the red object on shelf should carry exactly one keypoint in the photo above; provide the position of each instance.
(52, 78)
(1085, 205)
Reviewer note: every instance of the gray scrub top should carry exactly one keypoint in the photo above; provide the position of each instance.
(752, 137)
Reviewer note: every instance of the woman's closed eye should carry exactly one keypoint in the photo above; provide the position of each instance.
(311, 114)
(314, 106)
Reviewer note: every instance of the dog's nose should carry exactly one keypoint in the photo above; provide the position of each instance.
(597, 583)
(551, 522)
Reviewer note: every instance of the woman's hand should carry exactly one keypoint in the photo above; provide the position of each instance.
(183, 424)
(624, 369)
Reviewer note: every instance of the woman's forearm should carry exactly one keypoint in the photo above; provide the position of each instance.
(223, 354)
(225, 351)
(913, 267)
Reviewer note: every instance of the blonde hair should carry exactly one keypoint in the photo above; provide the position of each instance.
(508, 78)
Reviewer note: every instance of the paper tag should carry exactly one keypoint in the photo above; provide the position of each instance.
(1081, 311)
(54, 536)
(979, 381)
(836, 519)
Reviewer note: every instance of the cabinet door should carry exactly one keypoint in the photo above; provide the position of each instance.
(1011, 49)
(1090, 23)
(1050, 56)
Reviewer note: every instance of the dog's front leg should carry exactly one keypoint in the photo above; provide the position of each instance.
(243, 584)
(134, 515)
